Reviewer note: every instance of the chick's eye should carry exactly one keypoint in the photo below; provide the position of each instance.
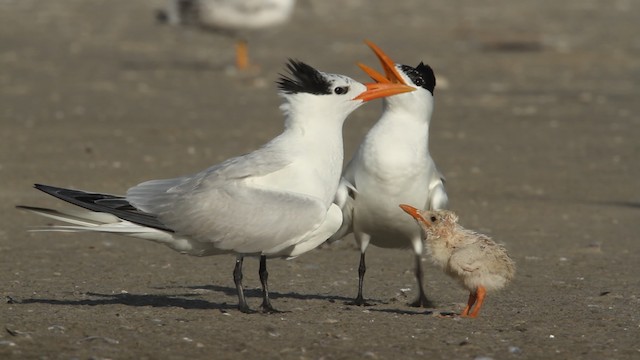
(433, 219)
(341, 90)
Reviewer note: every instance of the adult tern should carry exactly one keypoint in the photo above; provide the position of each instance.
(474, 259)
(273, 202)
(393, 166)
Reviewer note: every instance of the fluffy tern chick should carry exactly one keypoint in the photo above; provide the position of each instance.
(476, 261)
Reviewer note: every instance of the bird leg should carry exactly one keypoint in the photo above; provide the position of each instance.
(422, 300)
(363, 242)
(237, 279)
(264, 276)
(480, 294)
(242, 55)
(359, 300)
(470, 302)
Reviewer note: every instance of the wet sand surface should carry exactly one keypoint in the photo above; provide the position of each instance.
(536, 128)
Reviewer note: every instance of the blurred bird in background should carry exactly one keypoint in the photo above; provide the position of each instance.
(231, 17)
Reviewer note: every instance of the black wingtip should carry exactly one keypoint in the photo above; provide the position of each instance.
(112, 204)
(51, 190)
(46, 188)
(303, 78)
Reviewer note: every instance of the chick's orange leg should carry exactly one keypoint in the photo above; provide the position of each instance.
(470, 302)
(480, 294)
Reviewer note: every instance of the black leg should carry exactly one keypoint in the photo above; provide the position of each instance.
(237, 279)
(362, 269)
(422, 300)
(264, 277)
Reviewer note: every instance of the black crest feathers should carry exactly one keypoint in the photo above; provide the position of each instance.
(422, 75)
(303, 79)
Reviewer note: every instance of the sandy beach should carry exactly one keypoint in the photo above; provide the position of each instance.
(536, 129)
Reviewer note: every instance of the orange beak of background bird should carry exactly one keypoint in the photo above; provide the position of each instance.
(391, 74)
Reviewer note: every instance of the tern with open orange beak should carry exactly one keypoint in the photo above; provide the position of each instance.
(276, 201)
(476, 261)
(393, 166)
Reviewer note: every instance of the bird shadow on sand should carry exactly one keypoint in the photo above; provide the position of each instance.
(257, 293)
(427, 312)
(184, 301)
(179, 301)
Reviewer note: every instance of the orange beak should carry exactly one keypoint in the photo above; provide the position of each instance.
(415, 213)
(391, 73)
(380, 90)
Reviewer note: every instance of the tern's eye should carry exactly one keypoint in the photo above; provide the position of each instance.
(419, 81)
(433, 219)
(341, 90)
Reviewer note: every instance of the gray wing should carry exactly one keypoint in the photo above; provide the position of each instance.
(347, 191)
(438, 198)
(344, 199)
(243, 219)
(217, 206)
(467, 260)
(482, 262)
(155, 195)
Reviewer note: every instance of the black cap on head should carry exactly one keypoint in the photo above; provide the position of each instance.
(303, 79)
(422, 75)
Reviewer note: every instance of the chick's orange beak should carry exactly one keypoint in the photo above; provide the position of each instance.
(391, 73)
(380, 90)
(415, 213)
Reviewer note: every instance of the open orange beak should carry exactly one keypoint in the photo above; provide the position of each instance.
(391, 73)
(385, 85)
(379, 90)
(415, 213)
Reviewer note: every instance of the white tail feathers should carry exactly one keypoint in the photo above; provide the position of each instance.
(86, 220)
(82, 218)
